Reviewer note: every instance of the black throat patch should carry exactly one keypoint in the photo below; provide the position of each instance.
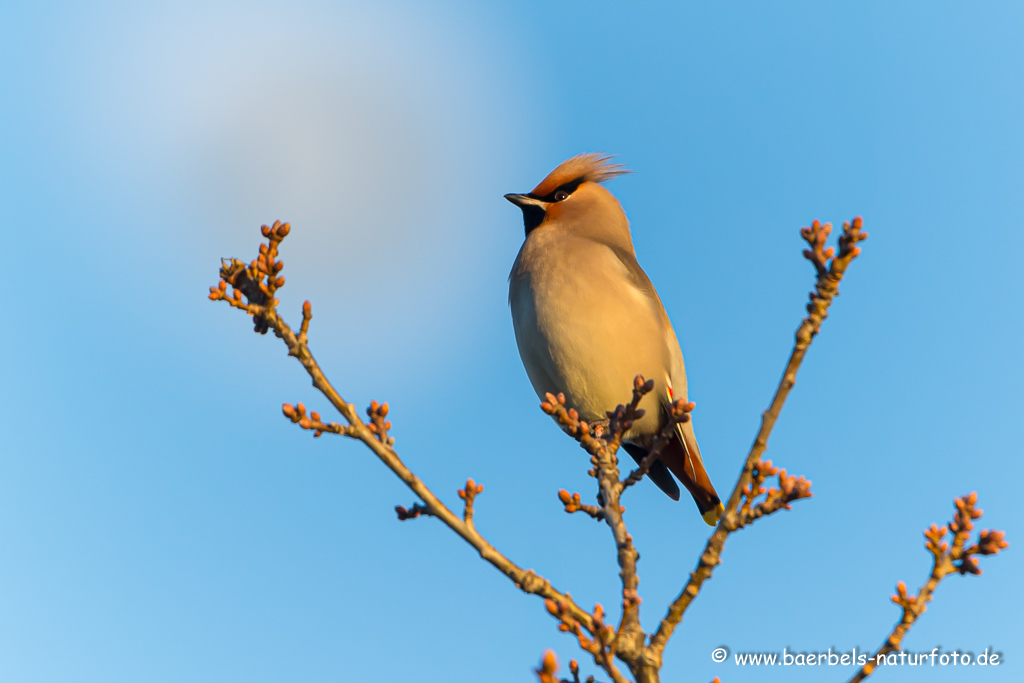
(533, 216)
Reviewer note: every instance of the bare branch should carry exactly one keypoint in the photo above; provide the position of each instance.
(598, 639)
(956, 559)
(252, 289)
(602, 444)
(830, 272)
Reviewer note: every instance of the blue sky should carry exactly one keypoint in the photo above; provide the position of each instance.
(160, 521)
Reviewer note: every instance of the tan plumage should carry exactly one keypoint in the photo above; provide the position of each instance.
(588, 320)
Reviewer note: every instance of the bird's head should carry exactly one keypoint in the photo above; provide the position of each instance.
(571, 198)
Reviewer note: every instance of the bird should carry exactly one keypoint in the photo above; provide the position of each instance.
(587, 319)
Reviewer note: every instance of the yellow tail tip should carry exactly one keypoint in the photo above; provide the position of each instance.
(711, 516)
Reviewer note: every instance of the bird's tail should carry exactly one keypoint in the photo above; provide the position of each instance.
(682, 457)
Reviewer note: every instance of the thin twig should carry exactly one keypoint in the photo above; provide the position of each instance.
(603, 444)
(468, 495)
(257, 283)
(573, 503)
(679, 413)
(956, 559)
(830, 272)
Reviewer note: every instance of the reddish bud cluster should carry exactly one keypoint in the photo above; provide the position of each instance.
(470, 492)
(641, 387)
(934, 542)
(469, 495)
(947, 558)
(991, 542)
(960, 555)
(548, 668)
(235, 273)
(816, 236)
(966, 513)
(312, 422)
(907, 602)
(680, 410)
(307, 316)
(595, 638)
(267, 263)
(569, 419)
(377, 424)
(573, 503)
(790, 488)
(852, 233)
(830, 270)
(295, 413)
(257, 282)
(621, 420)
(678, 413)
(604, 440)
(762, 470)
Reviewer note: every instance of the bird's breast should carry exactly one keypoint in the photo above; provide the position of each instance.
(583, 328)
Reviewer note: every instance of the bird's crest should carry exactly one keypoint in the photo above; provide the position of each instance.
(594, 167)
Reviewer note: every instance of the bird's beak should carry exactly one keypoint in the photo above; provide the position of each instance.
(523, 200)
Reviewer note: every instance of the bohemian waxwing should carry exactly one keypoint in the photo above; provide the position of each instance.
(587, 319)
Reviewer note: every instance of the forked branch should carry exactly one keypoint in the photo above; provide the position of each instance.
(252, 289)
(830, 270)
(956, 558)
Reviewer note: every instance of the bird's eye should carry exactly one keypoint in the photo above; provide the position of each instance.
(561, 196)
